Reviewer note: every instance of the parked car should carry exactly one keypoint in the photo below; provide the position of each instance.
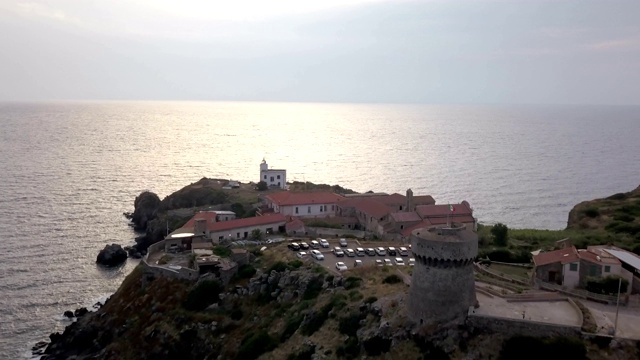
(403, 251)
(388, 262)
(370, 251)
(315, 244)
(360, 252)
(317, 255)
(381, 251)
(301, 254)
(341, 266)
(275, 240)
(379, 262)
(399, 262)
(324, 243)
(391, 250)
(304, 246)
(349, 252)
(412, 262)
(357, 263)
(294, 246)
(343, 242)
(338, 252)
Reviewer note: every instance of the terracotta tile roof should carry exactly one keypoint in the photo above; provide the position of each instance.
(465, 219)
(423, 224)
(368, 206)
(597, 259)
(394, 199)
(295, 224)
(210, 216)
(563, 256)
(246, 222)
(285, 198)
(423, 200)
(443, 210)
(405, 216)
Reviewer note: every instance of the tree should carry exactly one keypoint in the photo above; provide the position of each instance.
(500, 234)
(262, 186)
(256, 234)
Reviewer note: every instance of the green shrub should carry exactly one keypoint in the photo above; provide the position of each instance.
(315, 320)
(246, 271)
(618, 196)
(392, 279)
(623, 217)
(280, 266)
(304, 354)
(592, 212)
(370, 300)
(262, 186)
(350, 349)
(350, 324)
(292, 324)
(313, 289)
(329, 278)
(222, 251)
(349, 236)
(295, 264)
(606, 285)
(352, 282)
(256, 344)
(202, 295)
(355, 295)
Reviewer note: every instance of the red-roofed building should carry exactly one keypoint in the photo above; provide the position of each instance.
(303, 204)
(559, 266)
(204, 225)
(595, 262)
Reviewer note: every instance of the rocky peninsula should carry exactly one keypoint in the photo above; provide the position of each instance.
(278, 307)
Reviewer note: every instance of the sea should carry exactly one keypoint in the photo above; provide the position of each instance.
(68, 171)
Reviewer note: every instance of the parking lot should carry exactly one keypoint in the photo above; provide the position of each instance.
(330, 259)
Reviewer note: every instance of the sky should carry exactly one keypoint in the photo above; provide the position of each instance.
(374, 51)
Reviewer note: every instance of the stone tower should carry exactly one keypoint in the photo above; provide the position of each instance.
(442, 284)
(410, 206)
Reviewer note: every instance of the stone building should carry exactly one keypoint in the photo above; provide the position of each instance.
(442, 284)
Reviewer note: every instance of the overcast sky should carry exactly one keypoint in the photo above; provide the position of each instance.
(567, 52)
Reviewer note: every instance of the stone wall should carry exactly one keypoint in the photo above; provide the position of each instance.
(182, 273)
(512, 327)
(330, 232)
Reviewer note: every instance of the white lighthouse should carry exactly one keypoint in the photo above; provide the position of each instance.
(273, 177)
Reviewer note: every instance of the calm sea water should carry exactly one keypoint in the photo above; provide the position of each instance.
(69, 170)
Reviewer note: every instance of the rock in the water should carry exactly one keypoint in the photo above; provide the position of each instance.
(81, 311)
(39, 345)
(68, 314)
(112, 255)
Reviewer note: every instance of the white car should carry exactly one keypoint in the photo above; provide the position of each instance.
(314, 244)
(412, 262)
(338, 252)
(301, 254)
(381, 251)
(379, 262)
(341, 266)
(357, 263)
(388, 262)
(403, 251)
(324, 243)
(349, 252)
(399, 262)
(317, 255)
(343, 242)
(370, 251)
(360, 251)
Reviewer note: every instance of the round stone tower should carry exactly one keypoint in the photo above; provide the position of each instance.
(442, 284)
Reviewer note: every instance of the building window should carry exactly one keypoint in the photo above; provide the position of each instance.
(296, 209)
(278, 177)
(220, 238)
(272, 179)
(401, 227)
(607, 268)
(238, 235)
(573, 267)
(593, 270)
(308, 209)
(400, 207)
(265, 177)
(332, 207)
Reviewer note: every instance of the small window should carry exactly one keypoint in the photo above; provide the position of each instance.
(332, 207)
(573, 267)
(272, 179)
(296, 209)
(220, 238)
(265, 177)
(321, 207)
(308, 209)
(238, 235)
(400, 207)
(607, 268)
(402, 227)
(278, 177)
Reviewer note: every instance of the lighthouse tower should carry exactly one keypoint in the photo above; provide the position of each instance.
(275, 178)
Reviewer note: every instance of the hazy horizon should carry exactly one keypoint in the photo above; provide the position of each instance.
(355, 51)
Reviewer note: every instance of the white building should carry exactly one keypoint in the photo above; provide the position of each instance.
(273, 177)
(304, 204)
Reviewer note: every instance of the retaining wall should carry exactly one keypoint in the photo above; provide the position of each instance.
(331, 232)
(512, 327)
(182, 273)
